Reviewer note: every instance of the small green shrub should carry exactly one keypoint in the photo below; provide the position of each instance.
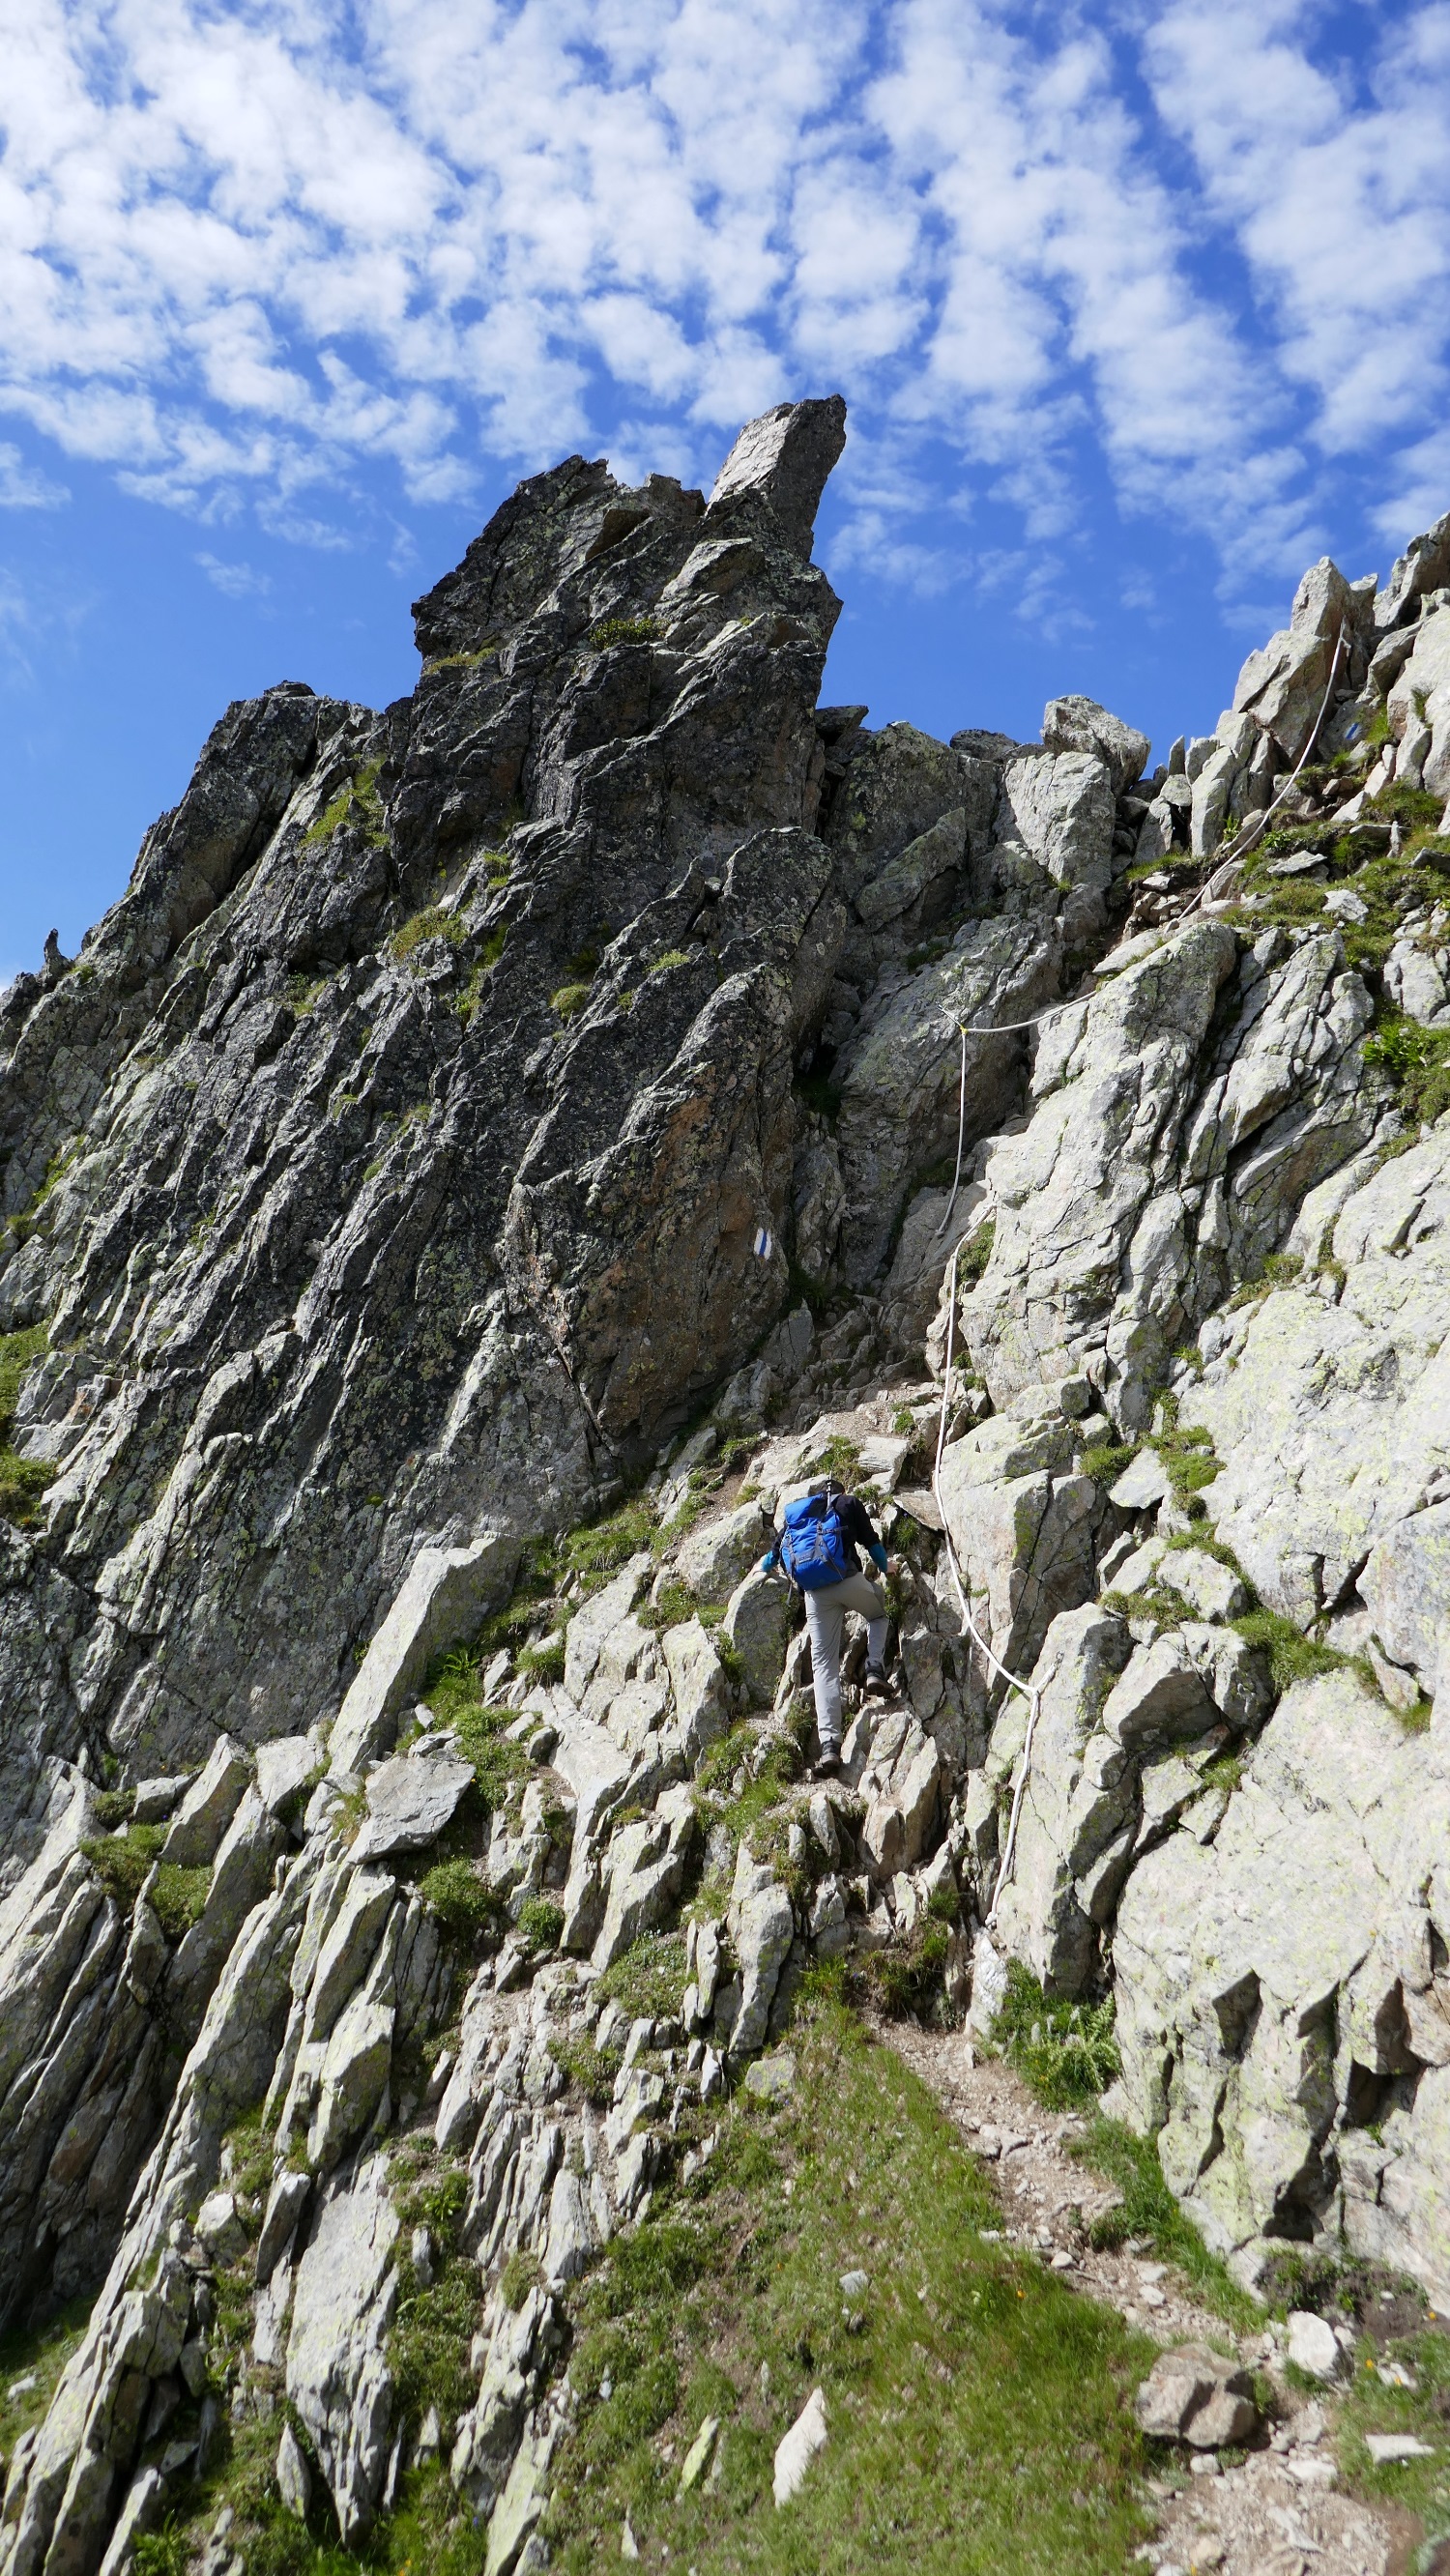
(1417, 1061)
(1280, 1270)
(623, 630)
(906, 1978)
(569, 1000)
(592, 2069)
(1187, 1451)
(521, 2273)
(672, 957)
(840, 1458)
(429, 2344)
(23, 1484)
(1065, 2051)
(602, 1547)
(17, 1352)
(179, 1898)
(463, 661)
(463, 1901)
(468, 1001)
(540, 1923)
(676, 1603)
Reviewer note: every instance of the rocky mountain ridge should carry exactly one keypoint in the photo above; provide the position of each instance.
(492, 1153)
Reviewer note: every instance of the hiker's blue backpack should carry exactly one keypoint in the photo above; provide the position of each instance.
(814, 1548)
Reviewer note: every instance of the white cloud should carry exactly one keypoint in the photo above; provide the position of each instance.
(235, 580)
(24, 487)
(1334, 181)
(243, 253)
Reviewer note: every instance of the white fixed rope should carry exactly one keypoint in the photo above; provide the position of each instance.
(1009, 1028)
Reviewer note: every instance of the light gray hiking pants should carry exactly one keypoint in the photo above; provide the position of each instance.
(826, 1619)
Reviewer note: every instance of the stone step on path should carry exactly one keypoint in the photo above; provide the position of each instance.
(1276, 2514)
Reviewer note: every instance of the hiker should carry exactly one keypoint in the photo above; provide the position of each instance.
(817, 1549)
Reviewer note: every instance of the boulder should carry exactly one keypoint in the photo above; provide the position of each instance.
(1026, 1540)
(1072, 1191)
(285, 1768)
(410, 1800)
(294, 2478)
(761, 1927)
(701, 1693)
(595, 1621)
(1196, 2396)
(899, 1072)
(1080, 724)
(1058, 810)
(1304, 1514)
(795, 2452)
(644, 1869)
(713, 1558)
(1261, 1980)
(1405, 1587)
(209, 1806)
(337, 2369)
(1283, 686)
(1313, 2345)
(758, 1624)
(448, 1591)
(1205, 1582)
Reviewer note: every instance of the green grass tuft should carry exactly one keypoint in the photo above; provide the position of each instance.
(22, 1480)
(122, 1861)
(463, 661)
(650, 1980)
(975, 1254)
(1292, 1657)
(179, 1898)
(1148, 2210)
(1105, 1463)
(357, 805)
(1417, 1061)
(432, 923)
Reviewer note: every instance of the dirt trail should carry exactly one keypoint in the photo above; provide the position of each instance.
(1278, 2513)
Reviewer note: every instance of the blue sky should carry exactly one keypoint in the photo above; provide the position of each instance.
(1138, 309)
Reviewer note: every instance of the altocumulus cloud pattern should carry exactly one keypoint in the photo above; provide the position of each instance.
(1200, 257)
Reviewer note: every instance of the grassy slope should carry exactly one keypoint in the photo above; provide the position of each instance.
(980, 2418)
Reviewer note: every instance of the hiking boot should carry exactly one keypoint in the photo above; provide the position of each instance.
(877, 1685)
(828, 1767)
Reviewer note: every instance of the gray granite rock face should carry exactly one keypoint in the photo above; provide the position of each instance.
(398, 1179)
(1262, 1985)
(337, 2374)
(463, 1104)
